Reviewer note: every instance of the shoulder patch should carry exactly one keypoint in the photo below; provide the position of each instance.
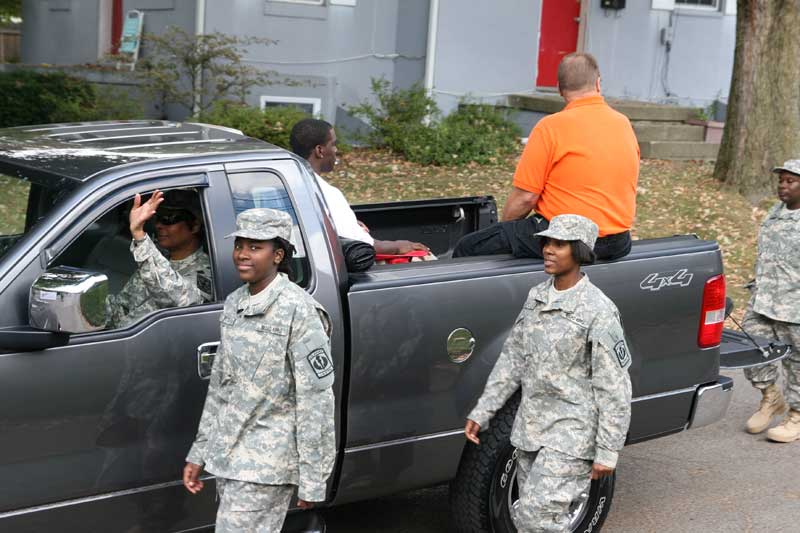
(204, 284)
(320, 363)
(623, 356)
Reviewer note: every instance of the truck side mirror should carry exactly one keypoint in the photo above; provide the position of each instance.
(68, 300)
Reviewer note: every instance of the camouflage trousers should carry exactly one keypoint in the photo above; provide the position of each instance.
(763, 376)
(251, 507)
(549, 481)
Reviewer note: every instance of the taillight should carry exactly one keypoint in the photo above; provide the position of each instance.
(712, 315)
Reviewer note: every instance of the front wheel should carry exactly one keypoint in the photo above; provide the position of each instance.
(485, 488)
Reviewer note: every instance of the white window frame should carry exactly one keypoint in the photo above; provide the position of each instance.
(316, 103)
(715, 8)
(306, 2)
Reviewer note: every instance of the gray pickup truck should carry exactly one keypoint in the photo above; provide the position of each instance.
(95, 421)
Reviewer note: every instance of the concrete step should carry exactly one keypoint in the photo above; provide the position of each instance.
(677, 150)
(545, 103)
(667, 131)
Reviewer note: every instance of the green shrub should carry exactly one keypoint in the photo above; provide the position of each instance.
(272, 124)
(30, 97)
(408, 122)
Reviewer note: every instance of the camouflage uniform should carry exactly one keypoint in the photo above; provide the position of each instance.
(774, 308)
(567, 351)
(159, 283)
(268, 419)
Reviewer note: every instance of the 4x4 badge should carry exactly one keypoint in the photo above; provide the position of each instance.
(656, 281)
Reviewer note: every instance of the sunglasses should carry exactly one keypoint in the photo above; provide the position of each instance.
(168, 218)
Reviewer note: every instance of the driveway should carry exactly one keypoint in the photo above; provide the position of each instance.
(714, 479)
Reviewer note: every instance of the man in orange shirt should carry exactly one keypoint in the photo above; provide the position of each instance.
(583, 160)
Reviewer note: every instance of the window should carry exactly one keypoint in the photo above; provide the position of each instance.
(699, 4)
(24, 203)
(179, 276)
(265, 189)
(307, 2)
(312, 106)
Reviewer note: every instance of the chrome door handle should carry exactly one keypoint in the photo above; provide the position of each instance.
(206, 353)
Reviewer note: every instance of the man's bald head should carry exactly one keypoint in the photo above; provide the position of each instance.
(578, 73)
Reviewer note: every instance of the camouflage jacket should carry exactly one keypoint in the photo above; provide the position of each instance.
(269, 412)
(159, 283)
(567, 351)
(777, 291)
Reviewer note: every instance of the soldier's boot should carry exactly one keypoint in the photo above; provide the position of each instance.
(772, 404)
(788, 430)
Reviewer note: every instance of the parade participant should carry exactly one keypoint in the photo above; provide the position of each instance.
(582, 160)
(179, 280)
(567, 352)
(268, 421)
(774, 308)
(315, 141)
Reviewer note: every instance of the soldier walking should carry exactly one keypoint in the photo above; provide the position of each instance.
(567, 352)
(268, 421)
(774, 308)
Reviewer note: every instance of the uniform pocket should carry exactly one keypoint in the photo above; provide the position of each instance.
(273, 340)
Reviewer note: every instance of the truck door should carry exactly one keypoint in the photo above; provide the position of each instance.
(95, 431)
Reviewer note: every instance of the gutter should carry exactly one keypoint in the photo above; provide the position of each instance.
(430, 54)
(199, 29)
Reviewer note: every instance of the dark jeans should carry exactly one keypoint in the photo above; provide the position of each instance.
(517, 238)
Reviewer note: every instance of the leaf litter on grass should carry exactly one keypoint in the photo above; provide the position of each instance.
(674, 198)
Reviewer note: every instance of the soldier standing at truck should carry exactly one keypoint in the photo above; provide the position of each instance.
(567, 352)
(774, 308)
(268, 420)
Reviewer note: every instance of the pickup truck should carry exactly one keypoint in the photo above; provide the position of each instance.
(95, 421)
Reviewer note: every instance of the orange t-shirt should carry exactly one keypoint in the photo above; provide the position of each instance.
(583, 160)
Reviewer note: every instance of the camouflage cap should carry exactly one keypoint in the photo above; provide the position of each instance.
(571, 228)
(263, 224)
(792, 165)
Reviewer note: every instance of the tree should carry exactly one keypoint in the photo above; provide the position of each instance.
(10, 11)
(175, 62)
(763, 124)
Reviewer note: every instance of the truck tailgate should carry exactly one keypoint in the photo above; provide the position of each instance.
(739, 351)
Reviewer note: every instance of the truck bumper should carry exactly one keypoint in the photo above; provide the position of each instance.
(711, 402)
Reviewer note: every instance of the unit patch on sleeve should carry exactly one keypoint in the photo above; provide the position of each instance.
(320, 363)
(622, 354)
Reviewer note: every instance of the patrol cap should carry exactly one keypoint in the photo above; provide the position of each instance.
(182, 200)
(792, 165)
(571, 228)
(263, 224)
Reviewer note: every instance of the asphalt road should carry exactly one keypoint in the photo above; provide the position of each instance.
(713, 479)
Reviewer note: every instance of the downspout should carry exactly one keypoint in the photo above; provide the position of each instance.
(199, 29)
(430, 54)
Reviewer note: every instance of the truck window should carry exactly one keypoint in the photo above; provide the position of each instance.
(266, 189)
(137, 289)
(23, 203)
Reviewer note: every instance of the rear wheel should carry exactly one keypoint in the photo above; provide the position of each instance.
(485, 488)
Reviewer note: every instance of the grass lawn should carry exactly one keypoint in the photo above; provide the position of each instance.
(674, 198)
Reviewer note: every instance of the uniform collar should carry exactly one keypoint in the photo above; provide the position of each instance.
(569, 303)
(191, 258)
(258, 304)
(595, 99)
(781, 211)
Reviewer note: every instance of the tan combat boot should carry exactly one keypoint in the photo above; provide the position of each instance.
(788, 430)
(772, 404)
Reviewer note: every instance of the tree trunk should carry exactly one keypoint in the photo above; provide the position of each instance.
(762, 128)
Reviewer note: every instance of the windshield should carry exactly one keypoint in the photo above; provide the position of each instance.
(23, 203)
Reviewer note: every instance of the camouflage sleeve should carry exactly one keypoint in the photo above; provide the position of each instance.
(167, 287)
(612, 387)
(312, 366)
(117, 305)
(197, 453)
(505, 378)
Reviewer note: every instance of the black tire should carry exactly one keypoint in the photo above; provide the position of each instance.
(486, 483)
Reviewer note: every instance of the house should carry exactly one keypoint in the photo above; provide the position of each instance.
(663, 51)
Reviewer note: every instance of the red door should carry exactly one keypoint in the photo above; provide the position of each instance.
(558, 36)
